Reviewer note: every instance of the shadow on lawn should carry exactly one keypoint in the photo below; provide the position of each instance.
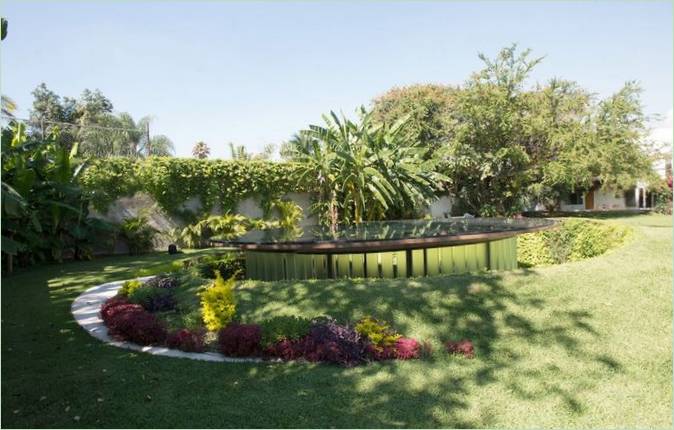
(476, 307)
(505, 324)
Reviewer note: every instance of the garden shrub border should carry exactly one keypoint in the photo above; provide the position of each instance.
(87, 310)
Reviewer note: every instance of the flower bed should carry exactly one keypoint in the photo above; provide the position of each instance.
(191, 313)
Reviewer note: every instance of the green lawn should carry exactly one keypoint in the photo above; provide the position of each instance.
(585, 344)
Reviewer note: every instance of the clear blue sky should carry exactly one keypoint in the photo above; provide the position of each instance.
(255, 73)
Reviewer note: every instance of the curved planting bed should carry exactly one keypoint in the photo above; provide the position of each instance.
(185, 315)
(571, 240)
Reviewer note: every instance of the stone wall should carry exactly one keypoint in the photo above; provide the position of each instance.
(144, 204)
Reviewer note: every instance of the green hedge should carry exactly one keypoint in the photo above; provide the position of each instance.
(173, 181)
(573, 240)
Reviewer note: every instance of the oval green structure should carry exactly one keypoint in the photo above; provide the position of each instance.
(386, 249)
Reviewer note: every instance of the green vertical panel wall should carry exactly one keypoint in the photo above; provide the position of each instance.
(418, 262)
(503, 254)
(446, 260)
(387, 264)
(401, 263)
(357, 265)
(372, 265)
(494, 255)
(433, 261)
(341, 265)
(320, 263)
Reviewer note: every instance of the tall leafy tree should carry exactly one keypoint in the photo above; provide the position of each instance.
(430, 108)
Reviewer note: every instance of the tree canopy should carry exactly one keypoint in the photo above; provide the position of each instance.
(90, 120)
(504, 144)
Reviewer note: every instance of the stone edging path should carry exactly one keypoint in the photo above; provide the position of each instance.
(86, 309)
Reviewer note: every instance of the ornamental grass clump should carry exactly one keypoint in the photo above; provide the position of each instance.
(218, 305)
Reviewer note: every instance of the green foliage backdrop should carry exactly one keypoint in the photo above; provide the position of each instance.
(174, 181)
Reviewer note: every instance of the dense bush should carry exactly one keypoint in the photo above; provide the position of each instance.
(334, 343)
(463, 347)
(240, 340)
(572, 240)
(132, 323)
(228, 265)
(218, 305)
(186, 340)
(288, 328)
(154, 299)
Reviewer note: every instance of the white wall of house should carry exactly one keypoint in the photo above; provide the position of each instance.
(608, 199)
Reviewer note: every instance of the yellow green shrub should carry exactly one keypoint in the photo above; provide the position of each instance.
(572, 240)
(379, 333)
(129, 287)
(218, 305)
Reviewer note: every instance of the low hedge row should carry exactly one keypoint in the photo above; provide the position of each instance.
(572, 240)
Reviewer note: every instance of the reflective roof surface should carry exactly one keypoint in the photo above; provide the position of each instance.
(392, 230)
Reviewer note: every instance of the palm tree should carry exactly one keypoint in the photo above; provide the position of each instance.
(201, 150)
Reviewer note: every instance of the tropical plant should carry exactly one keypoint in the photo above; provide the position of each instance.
(227, 226)
(139, 234)
(364, 170)
(45, 212)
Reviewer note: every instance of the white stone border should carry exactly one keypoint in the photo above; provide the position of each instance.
(86, 309)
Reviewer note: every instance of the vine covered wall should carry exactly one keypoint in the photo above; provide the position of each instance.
(172, 182)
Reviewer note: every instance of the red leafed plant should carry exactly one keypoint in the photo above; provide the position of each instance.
(407, 348)
(131, 322)
(186, 340)
(240, 340)
(464, 347)
(380, 353)
(286, 349)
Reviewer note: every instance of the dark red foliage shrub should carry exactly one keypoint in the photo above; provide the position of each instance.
(380, 353)
(334, 343)
(463, 346)
(146, 329)
(407, 348)
(110, 304)
(240, 340)
(286, 349)
(186, 340)
(116, 306)
(131, 322)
